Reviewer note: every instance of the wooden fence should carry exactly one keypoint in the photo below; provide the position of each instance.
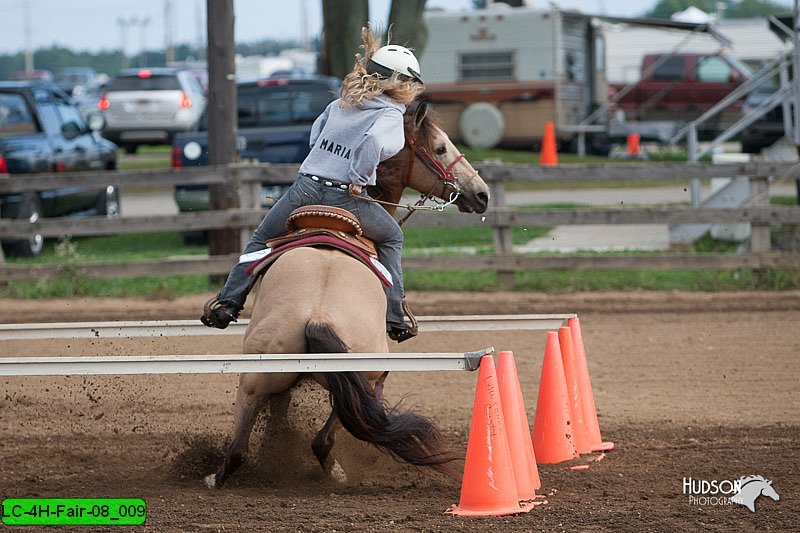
(246, 179)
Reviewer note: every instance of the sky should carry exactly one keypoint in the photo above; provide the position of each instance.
(94, 25)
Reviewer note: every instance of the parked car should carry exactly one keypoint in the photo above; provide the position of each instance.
(150, 106)
(41, 130)
(32, 75)
(682, 86)
(275, 117)
(765, 130)
(83, 85)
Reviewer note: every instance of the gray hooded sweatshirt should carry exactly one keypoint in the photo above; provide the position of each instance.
(347, 144)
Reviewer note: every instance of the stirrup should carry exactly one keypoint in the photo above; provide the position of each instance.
(219, 315)
(405, 332)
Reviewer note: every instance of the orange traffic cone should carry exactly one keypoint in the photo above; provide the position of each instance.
(552, 430)
(519, 441)
(488, 487)
(548, 155)
(587, 396)
(573, 390)
(632, 144)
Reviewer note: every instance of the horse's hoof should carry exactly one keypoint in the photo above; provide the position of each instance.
(337, 473)
(210, 481)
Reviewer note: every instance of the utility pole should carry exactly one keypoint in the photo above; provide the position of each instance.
(123, 24)
(169, 50)
(28, 39)
(143, 24)
(222, 119)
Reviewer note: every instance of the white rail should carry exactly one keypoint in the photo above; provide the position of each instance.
(188, 328)
(238, 363)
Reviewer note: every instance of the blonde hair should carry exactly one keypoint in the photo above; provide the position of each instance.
(359, 85)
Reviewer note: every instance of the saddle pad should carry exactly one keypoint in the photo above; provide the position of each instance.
(323, 216)
(360, 242)
(268, 256)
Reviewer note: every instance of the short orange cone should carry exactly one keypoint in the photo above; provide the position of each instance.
(488, 487)
(552, 429)
(587, 396)
(548, 155)
(573, 390)
(519, 441)
(632, 144)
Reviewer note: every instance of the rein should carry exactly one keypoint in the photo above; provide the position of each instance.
(447, 178)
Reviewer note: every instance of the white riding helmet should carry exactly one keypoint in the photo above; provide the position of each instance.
(393, 58)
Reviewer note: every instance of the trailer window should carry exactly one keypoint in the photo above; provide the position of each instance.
(15, 118)
(486, 66)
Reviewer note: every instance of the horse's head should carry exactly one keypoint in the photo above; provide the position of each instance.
(431, 164)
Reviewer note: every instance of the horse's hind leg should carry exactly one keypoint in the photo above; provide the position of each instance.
(322, 445)
(253, 390)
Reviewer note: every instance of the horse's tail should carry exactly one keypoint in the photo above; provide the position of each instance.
(407, 436)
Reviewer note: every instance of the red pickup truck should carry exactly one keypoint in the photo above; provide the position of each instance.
(681, 87)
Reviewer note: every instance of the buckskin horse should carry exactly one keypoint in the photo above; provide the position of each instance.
(334, 304)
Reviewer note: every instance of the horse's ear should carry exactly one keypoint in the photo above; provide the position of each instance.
(769, 482)
(420, 113)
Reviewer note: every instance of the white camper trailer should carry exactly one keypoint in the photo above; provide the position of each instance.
(496, 76)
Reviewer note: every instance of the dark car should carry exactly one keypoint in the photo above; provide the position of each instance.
(768, 128)
(41, 130)
(275, 117)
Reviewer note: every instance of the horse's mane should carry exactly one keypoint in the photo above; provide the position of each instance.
(397, 165)
(745, 480)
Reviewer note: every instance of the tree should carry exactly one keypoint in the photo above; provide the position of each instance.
(664, 9)
(405, 20)
(754, 8)
(342, 22)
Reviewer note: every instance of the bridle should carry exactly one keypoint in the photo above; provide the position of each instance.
(445, 177)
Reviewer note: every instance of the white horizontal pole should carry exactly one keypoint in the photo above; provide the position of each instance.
(187, 328)
(238, 363)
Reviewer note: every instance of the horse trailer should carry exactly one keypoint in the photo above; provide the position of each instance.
(496, 76)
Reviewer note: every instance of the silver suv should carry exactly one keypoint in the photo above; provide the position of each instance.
(150, 105)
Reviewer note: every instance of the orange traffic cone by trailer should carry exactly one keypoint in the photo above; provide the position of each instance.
(587, 396)
(519, 439)
(488, 487)
(548, 155)
(553, 439)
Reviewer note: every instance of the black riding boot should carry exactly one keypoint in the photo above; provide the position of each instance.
(217, 314)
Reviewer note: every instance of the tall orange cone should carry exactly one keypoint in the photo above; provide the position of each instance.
(632, 144)
(519, 441)
(552, 429)
(573, 390)
(548, 155)
(488, 487)
(587, 396)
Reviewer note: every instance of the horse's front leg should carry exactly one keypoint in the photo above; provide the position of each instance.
(253, 390)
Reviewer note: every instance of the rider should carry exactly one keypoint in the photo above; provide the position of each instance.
(348, 140)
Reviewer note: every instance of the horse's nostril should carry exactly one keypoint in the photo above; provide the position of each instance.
(483, 198)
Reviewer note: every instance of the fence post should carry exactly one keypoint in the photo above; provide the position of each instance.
(760, 233)
(503, 242)
(249, 198)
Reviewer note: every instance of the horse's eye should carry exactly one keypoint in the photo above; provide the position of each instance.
(441, 150)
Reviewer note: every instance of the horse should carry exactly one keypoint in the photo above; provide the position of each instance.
(750, 488)
(334, 304)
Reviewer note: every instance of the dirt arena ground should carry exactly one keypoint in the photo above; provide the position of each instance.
(686, 385)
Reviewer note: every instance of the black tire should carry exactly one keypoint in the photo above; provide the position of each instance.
(31, 209)
(107, 203)
(195, 237)
(130, 149)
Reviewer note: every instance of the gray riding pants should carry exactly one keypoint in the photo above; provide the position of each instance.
(378, 225)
